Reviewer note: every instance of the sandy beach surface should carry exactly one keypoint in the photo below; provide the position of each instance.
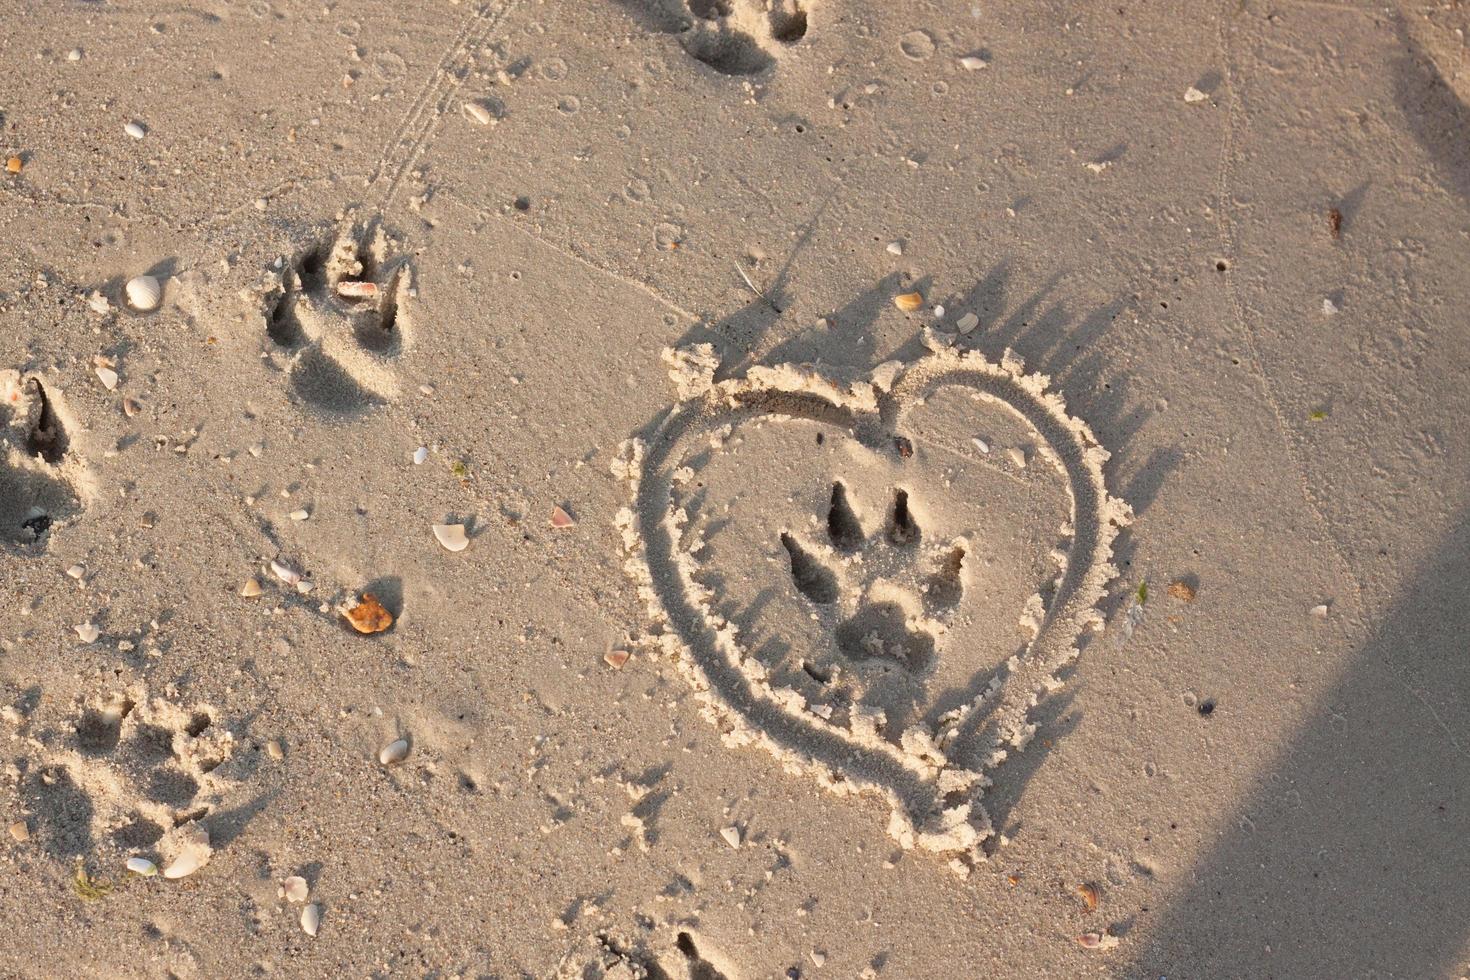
(839, 488)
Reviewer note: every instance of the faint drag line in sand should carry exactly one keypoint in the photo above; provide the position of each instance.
(484, 214)
(1227, 241)
(416, 131)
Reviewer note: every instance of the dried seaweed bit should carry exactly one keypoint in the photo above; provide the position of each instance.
(368, 615)
(1142, 593)
(1182, 591)
(1334, 222)
(88, 888)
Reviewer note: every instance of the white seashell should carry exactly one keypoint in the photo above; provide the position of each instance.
(968, 322)
(107, 376)
(1018, 456)
(420, 454)
(895, 248)
(142, 866)
(76, 572)
(97, 303)
(731, 835)
(451, 536)
(250, 589)
(353, 289)
(394, 752)
(1193, 94)
(88, 632)
(285, 572)
(311, 919)
(305, 585)
(185, 864)
(300, 515)
(1320, 611)
(981, 444)
(293, 889)
(144, 293)
(972, 62)
(478, 113)
(135, 130)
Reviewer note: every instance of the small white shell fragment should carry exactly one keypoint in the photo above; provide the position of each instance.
(1328, 307)
(731, 835)
(284, 572)
(135, 130)
(305, 585)
(1098, 166)
(184, 865)
(354, 289)
(981, 444)
(478, 113)
(420, 455)
(21, 831)
(967, 323)
(895, 248)
(88, 632)
(98, 303)
(76, 572)
(300, 514)
(293, 889)
(107, 376)
(250, 589)
(144, 293)
(451, 536)
(394, 752)
(311, 919)
(75, 54)
(1320, 611)
(1017, 455)
(972, 62)
(142, 866)
(131, 407)
(1193, 94)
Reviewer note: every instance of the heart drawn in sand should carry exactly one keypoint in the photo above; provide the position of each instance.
(876, 580)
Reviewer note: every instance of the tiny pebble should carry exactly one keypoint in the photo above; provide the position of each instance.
(420, 454)
(142, 866)
(20, 831)
(135, 130)
(394, 752)
(300, 514)
(311, 919)
(274, 749)
(731, 835)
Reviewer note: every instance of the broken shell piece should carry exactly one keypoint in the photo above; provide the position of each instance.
(300, 514)
(77, 572)
(971, 62)
(451, 536)
(89, 631)
(616, 658)
(14, 164)
(144, 293)
(1320, 611)
(1193, 94)
(186, 864)
(967, 323)
(1017, 456)
(285, 572)
(478, 113)
(420, 455)
(20, 831)
(1097, 940)
(131, 407)
(1088, 892)
(135, 130)
(560, 518)
(293, 889)
(368, 615)
(394, 752)
(142, 866)
(191, 844)
(908, 302)
(353, 289)
(107, 376)
(250, 589)
(731, 835)
(311, 919)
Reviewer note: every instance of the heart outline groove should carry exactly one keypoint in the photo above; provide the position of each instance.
(934, 803)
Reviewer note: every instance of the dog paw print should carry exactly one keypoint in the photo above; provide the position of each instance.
(886, 592)
(40, 478)
(337, 315)
(734, 37)
(123, 774)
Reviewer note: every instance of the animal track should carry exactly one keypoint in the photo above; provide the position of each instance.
(337, 312)
(40, 479)
(734, 37)
(905, 596)
(126, 772)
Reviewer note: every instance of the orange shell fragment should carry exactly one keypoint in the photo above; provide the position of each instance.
(560, 518)
(369, 616)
